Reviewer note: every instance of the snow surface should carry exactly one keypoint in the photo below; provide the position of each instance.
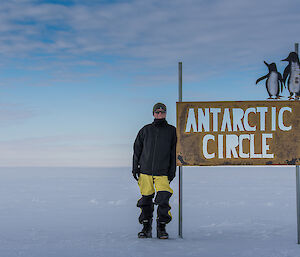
(227, 211)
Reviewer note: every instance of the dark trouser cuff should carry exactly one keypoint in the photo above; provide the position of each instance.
(147, 207)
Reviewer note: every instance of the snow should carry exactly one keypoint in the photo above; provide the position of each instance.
(227, 211)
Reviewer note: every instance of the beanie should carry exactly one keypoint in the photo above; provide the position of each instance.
(159, 106)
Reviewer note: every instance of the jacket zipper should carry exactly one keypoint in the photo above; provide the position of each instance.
(156, 136)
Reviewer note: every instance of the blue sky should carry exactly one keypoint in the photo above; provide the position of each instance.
(78, 79)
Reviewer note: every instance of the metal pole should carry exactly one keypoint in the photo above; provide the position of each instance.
(298, 201)
(180, 167)
(298, 181)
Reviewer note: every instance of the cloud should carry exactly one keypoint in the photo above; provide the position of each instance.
(149, 29)
(14, 113)
(124, 37)
(63, 150)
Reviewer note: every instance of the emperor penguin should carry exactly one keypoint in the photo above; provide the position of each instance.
(293, 71)
(274, 83)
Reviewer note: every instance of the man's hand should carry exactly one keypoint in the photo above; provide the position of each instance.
(136, 174)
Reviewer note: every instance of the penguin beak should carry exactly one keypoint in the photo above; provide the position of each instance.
(266, 63)
(285, 60)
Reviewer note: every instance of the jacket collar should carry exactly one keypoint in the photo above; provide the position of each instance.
(159, 122)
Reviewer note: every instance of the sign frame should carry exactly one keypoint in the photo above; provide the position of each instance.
(238, 133)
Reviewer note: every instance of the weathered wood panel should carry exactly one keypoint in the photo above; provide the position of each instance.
(238, 133)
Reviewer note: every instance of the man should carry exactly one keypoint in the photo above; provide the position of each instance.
(154, 163)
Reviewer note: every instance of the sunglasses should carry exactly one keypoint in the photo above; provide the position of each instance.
(162, 112)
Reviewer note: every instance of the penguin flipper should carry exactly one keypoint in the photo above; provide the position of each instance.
(262, 78)
(286, 73)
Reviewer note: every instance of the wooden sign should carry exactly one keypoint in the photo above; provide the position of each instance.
(238, 133)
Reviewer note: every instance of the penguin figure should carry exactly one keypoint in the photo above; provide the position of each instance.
(273, 80)
(293, 71)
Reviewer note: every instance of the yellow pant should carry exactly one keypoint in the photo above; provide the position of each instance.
(163, 194)
(146, 184)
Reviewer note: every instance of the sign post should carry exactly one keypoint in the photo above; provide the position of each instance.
(298, 201)
(239, 133)
(180, 167)
(298, 181)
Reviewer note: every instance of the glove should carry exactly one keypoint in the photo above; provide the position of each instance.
(171, 177)
(136, 174)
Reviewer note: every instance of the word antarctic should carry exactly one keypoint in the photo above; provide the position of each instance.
(236, 119)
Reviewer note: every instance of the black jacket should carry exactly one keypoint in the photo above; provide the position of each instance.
(154, 150)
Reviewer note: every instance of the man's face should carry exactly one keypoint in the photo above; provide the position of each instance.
(160, 114)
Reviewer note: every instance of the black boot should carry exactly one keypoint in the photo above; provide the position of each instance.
(161, 231)
(147, 229)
